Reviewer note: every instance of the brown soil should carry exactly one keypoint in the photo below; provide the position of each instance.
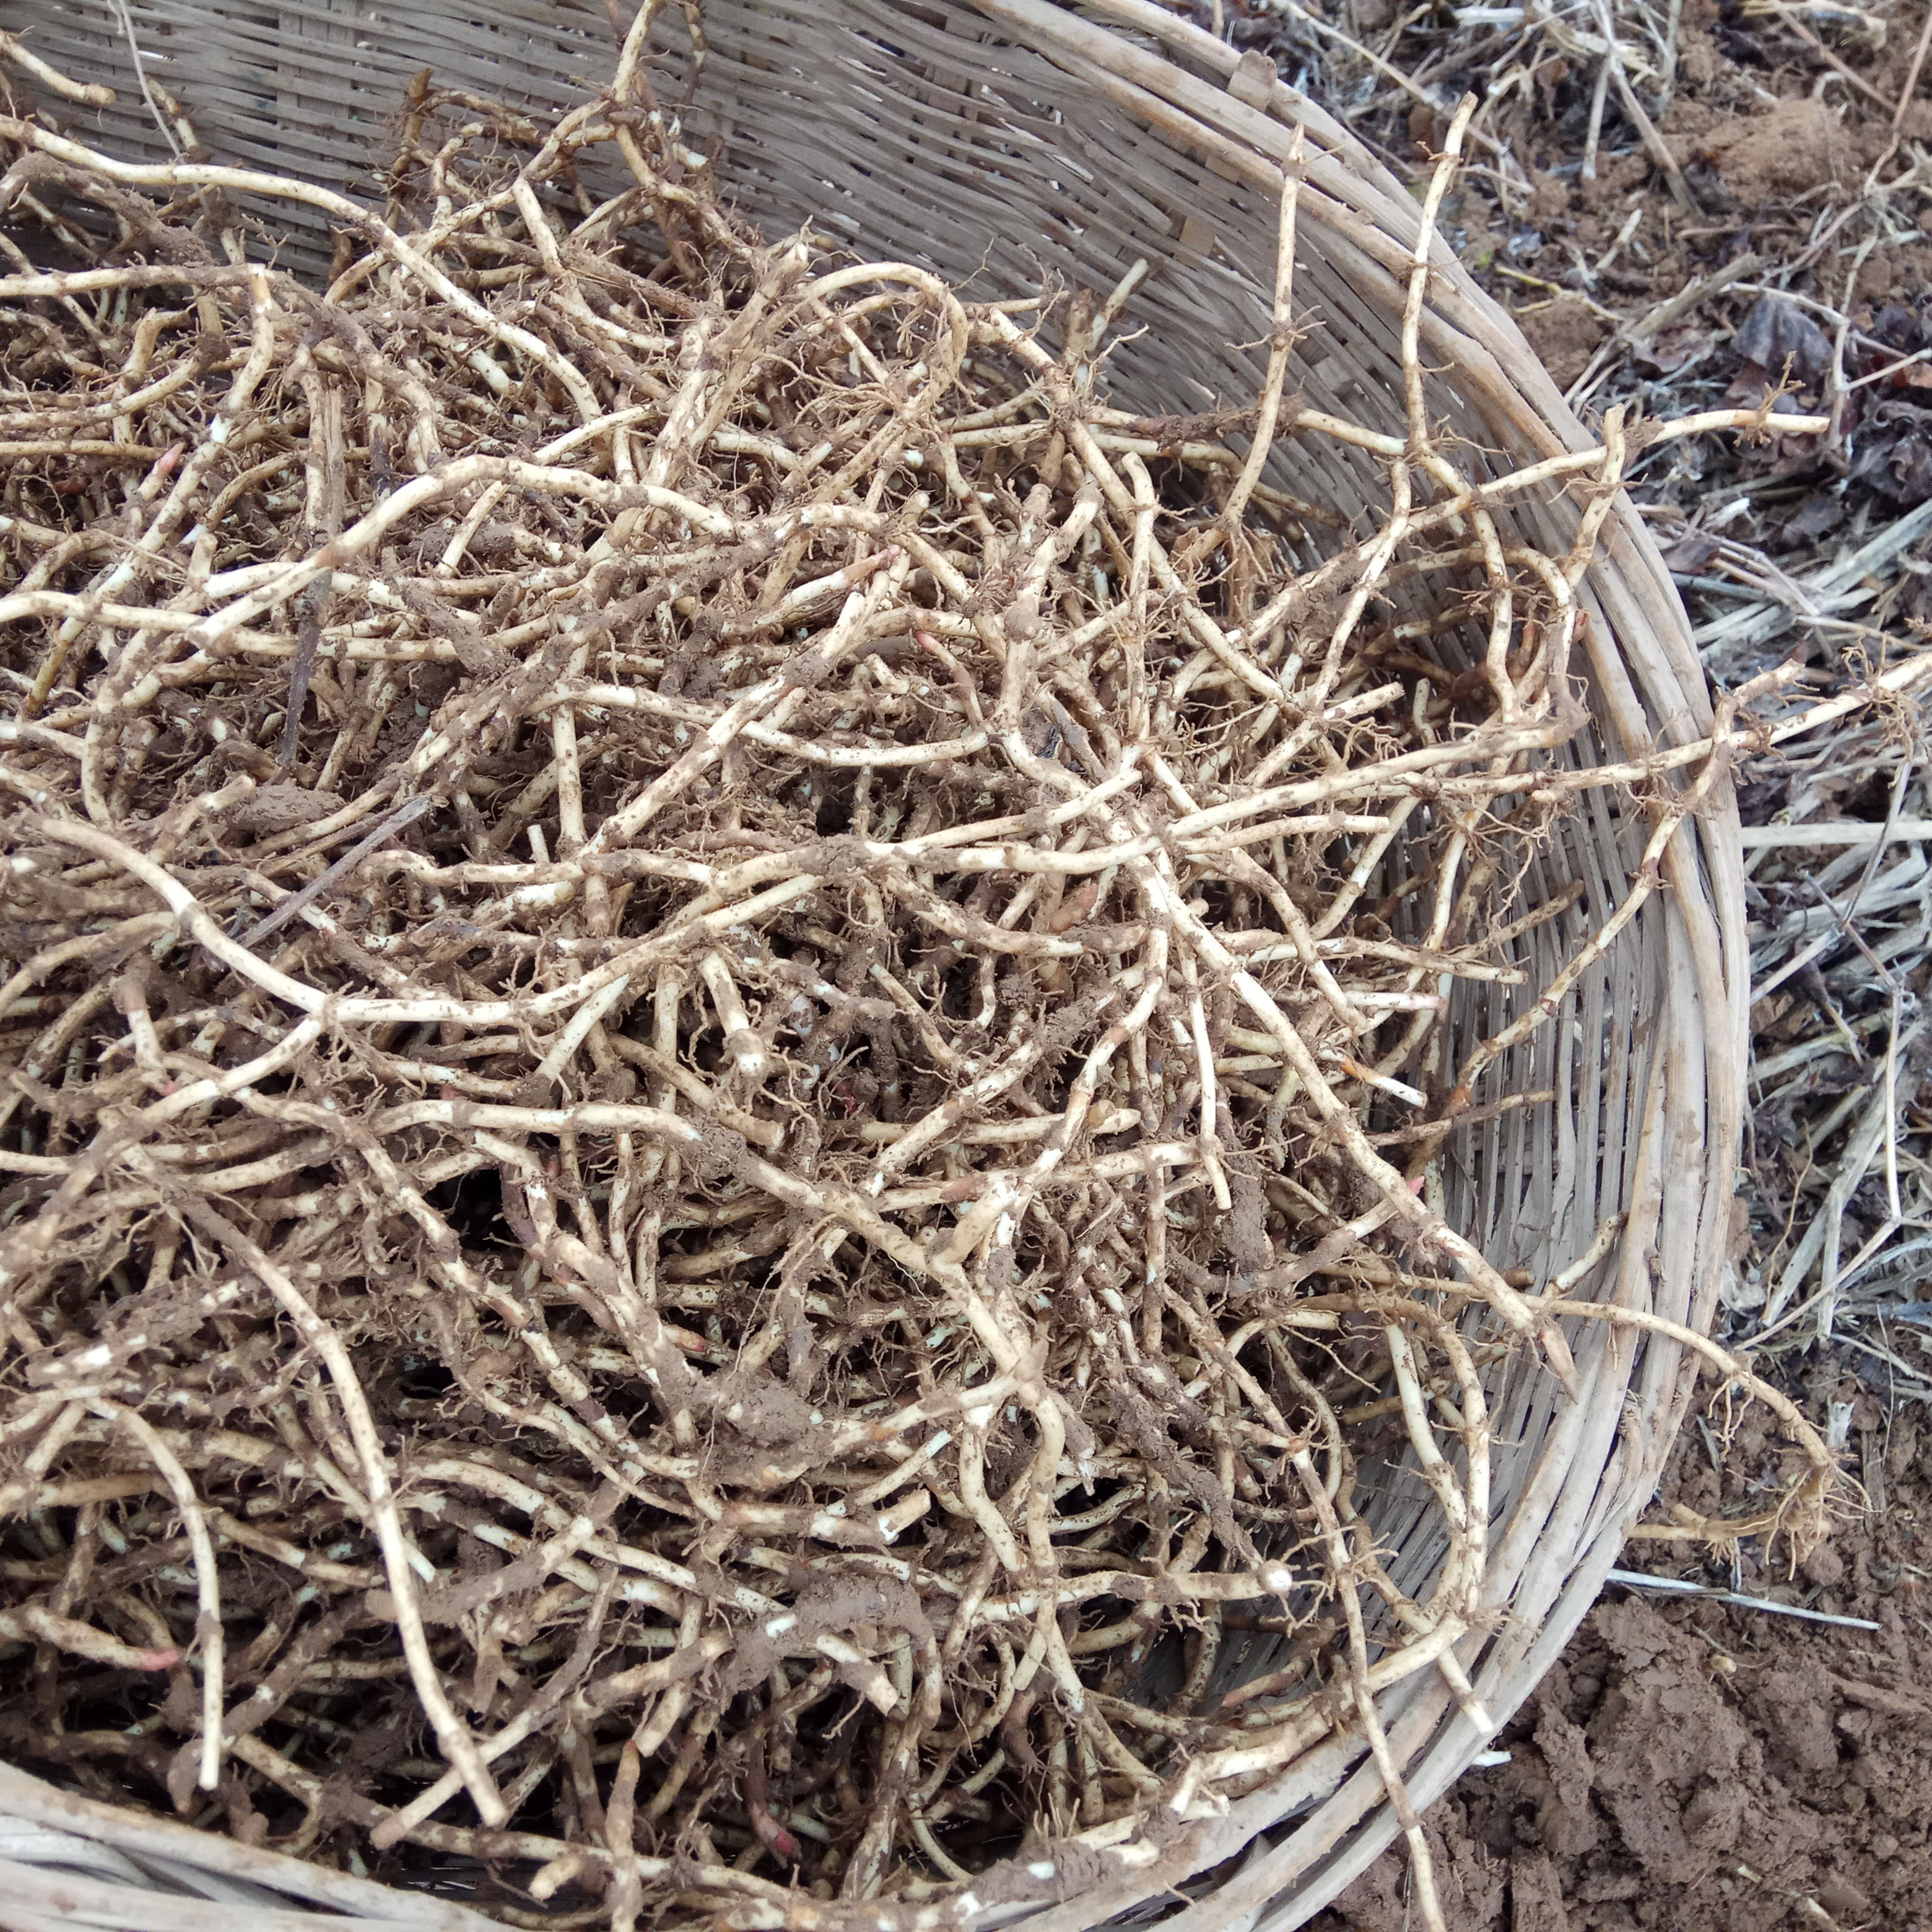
(1688, 1765)
(1565, 333)
(1791, 149)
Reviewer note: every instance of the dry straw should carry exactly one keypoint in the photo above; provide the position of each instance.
(833, 1100)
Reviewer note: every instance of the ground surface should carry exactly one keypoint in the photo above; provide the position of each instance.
(1688, 1765)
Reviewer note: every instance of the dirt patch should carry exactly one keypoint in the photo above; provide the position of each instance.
(1688, 1764)
(1565, 333)
(1792, 149)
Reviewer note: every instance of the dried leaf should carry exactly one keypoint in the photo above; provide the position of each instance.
(1893, 451)
(1691, 552)
(1776, 332)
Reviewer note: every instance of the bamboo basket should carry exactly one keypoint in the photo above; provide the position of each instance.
(1000, 142)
